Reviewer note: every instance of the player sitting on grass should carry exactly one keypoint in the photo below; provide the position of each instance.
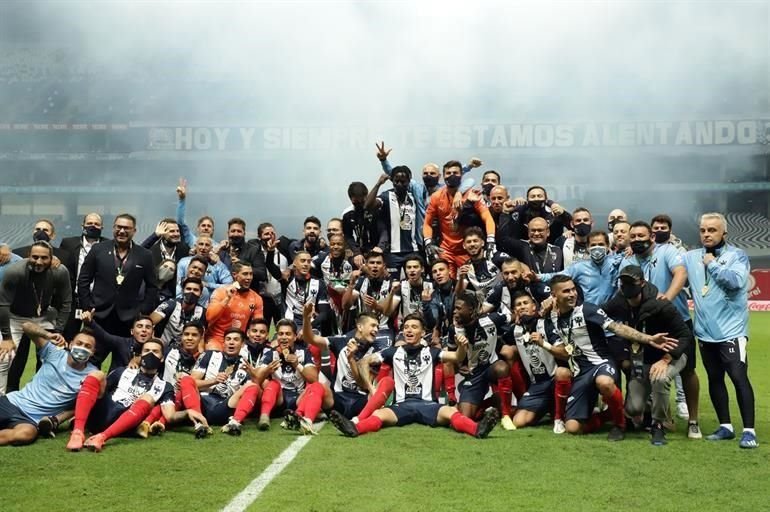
(290, 381)
(413, 365)
(222, 387)
(117, 403)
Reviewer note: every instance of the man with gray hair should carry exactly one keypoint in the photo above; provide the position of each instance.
(718, 275)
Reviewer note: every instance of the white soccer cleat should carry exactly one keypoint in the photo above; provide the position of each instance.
(306, 427)
(559, 427)
(681, 411)
(507, 423)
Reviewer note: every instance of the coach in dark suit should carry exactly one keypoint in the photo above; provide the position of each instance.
(76, 249)
(120, 271)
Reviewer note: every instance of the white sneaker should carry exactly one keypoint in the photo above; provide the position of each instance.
(681, 410)
(559, 427)
(693, 431)
(507, 423)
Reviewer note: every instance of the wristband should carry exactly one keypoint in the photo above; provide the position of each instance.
(547, 346)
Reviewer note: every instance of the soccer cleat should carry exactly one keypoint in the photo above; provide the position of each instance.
(693, 431)
(559, 427)
(658, 435)
(202, 431)
(48, 426)
(143, 430)
(721, 434)
(290, 421)
(507, 423)
(95, 443)
(264, 422)
(616, 434)
(75, 444)
(306, 427)
(748, 440)
(157, 428)
(681, 410)
(487, 423)
(344, 425)
(233, 427)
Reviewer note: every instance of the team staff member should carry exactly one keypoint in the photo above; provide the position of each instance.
(718, 276)
(232, 307)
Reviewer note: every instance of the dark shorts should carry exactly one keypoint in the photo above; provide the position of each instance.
(582, 399)
(11, 416)
(104, 414)
(538, 398)
(215, 409)
(412, 410)
(724, 353)
(690, 351)
(620, 349)
(474, 387)
(349, 404)
(394, 262)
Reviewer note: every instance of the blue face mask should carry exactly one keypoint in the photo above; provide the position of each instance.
(598, 253)
(80, 354)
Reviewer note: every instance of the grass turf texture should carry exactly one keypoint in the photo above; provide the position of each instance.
(411, 468)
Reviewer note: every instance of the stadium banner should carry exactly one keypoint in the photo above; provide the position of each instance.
(213, 137)
(759, 285)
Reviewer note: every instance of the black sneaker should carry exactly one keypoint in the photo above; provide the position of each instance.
(290, 421)
(487, 423)
(658, 437)
(48, 426)
(202, 431)
(344, 425)
(616, 434)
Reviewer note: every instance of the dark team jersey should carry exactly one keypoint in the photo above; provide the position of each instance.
(483, 277)
(253, 352)
(213, 362)
(539, 363)
(335, 272)
(412, 370)
(411, 297)
(303, 291)
(484, 337)
(397, 223)
(343, 377)
(500, 298)
(582, 332)
(126, 385)
(376, 288)
(174, 319)
(289, 377)
(177, 361)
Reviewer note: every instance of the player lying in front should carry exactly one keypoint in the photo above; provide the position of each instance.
(413, 365)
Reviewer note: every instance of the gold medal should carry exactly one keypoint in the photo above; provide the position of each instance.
(119, 279)
(635, 347)
(569, 349)
(704, 290)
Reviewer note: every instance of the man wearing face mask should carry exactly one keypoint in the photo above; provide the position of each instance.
(121, 347)
(216, 273)
(489, 180)
(113, 405)
(77, 248)
(637, 305)
(197, 268)
(359, 224)
(236, 249)
(166, 279)
(575, 248)
(663, 266)
(718, 274)
(44, 231)
(661, 231)
(52, 390)
(396, 222)
(442, 207)
(172, 314)
(167, 248)
(538, 205)
(31, 291)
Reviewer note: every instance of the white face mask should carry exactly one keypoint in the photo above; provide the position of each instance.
(80, 354)
(597, 253)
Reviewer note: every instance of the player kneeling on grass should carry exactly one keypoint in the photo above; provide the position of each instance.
(117, 403)
(538, 344)
(581, 329)
(413, 365)
(52, 390)
(290, 381)
(222, 386)
(179, 362)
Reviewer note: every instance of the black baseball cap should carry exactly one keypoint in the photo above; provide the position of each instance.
(632, 272)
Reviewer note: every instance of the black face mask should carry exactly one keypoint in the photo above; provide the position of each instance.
(453, 181)
(400, 190)
(430, 181)
(611, 225)
(189, 298)
(640, 246)
(41, 236)
(535, 204)
(661, 237)
(582, 229)
(151, 362)
(713, 250)
(237, 241)
(528, 322)
(358, 207)
(630, 291)
(92, 232)
(486, 188)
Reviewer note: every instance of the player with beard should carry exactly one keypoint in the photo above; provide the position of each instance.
(290, 382)
(478, 274)
(222, 385)
(179, 362)
(232, 306)
(537, 344)
(334, 268)
(117, 404)
(311, 241)
(413, 365)
(349, 387)
(581, 329)
(372, 294)
(500, 298)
